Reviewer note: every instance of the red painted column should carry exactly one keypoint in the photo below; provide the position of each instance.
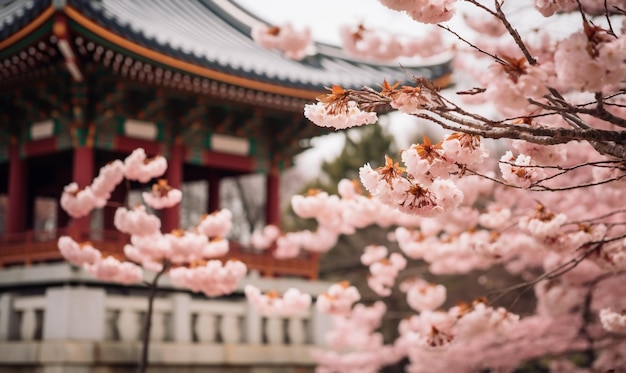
(214, 191)
(170, 219)
(16, 209)
(272, 212)
(82, 174)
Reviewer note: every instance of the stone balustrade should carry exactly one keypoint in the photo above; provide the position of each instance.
(86, 326)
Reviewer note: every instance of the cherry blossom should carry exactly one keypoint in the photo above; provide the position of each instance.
(294, 44)
(262, 239)
(349, 116)
(291, 303)
(111, 269)
(519, 171)
(613, 321)
(216, 224)
(108, 178)
(76, 253)
(338, 299)
(366, 43)
(383, 272)
(425, 11)
(211, 278)
(141, 168)
(424, 296)
(77, 202)
(136, 221)
(162, 195)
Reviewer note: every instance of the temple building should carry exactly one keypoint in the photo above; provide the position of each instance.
(84, 82)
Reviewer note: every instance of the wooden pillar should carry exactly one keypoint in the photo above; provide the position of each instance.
(214, 191)
(82, 174)
(17, 203)
(272, 212)
(171, 216)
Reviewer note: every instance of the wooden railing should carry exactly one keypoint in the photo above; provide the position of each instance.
(41, 246)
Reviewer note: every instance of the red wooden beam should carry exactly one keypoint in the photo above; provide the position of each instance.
(16, 211)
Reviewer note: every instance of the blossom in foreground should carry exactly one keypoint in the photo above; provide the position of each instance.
(264, 238)
(338, 299)
(519, 171)
(216, 224)
(424, 11)
(141, 168)
(350, 116)
(78, 253)
(292, 303)
(336, 110)
(389, 185)
(162, 195)
(111, 269)
(136, 221)
(108, 178)
(211, 278)
(77, 202)
(613, 321)
(383, 272)
(423, 296)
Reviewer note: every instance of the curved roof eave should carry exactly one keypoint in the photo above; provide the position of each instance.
(226, 55)
(182, 65)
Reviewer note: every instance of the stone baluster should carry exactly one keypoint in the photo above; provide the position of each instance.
(296, 331)
(28, 326)
(229, 328)
(6, 315)
(253, 325)
(129, 324)
(205, 327)
(74, 313)
(181, 317)
(274, 331)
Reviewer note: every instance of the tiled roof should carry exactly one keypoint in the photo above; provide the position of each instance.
(15, 14)
(211, 34)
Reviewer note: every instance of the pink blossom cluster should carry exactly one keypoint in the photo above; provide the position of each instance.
(263, 239)
(542, 224)
(422, 295)
(350, 115)
(365, 43)
(383, 269)
(79, 202)
(137, 221)
(588, 64)
(162, 195)
(292, 303)
(549, 7)
(294, 44)
(217, 224)
(338, 299)
(104, 267)
(112, 269)
(354, 344)
(213, 278)
(424, 11)
(149, 247)
(137, 166)
(519, 171)
(335, 215)
(78, 254)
